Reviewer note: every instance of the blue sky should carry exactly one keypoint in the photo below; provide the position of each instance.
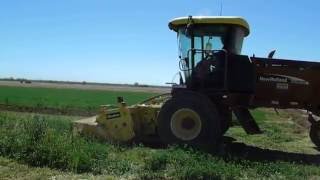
(126, 41)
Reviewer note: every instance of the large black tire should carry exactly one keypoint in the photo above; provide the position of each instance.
(189, 118)
(315, 134)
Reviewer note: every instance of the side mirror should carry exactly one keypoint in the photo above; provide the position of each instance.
(183, 64)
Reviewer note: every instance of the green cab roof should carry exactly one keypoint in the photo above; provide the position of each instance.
(230, 20)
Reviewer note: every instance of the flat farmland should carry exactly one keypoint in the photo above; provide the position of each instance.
(89, 86)
(41, 146)
(65, 98)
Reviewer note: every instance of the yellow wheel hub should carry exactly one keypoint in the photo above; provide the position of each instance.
(186, 124)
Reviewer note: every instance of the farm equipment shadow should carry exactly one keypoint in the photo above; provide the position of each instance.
(231, 150)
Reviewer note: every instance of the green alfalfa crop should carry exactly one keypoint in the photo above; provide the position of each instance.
(38, 142)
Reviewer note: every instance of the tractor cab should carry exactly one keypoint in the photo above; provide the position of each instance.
(204, 45)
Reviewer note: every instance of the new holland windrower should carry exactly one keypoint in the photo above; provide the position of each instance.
(216, 80)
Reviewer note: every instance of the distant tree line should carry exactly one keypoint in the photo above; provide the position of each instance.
(21, 80)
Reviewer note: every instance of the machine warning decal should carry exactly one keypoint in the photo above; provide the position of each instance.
(282, 79)
(113, 115)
